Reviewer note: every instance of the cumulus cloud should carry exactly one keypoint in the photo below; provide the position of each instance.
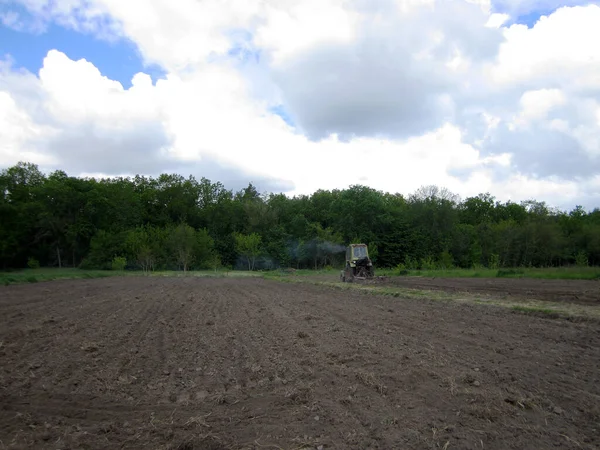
(559, 50)
(394, 94)
(547, 98)
(399, 76)
(73, 118)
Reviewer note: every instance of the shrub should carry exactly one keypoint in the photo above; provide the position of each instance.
(581, 259)
(86, 264)
(494, 261)
(446, 261)
(401, 269)
(33, 263)
(410, 263)
(504, 273)
(428, 263)
(118, 263)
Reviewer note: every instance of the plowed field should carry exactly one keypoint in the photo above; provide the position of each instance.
(582, 292)
(200, 363)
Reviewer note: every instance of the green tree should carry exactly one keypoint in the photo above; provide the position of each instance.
(204, 251)
(143, 245)
(169, 220)
(182, 241)
(249, 247)
(104, 247)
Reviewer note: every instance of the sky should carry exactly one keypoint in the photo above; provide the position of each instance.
(499, 96)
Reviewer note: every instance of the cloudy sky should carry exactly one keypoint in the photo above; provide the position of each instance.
(499, 96)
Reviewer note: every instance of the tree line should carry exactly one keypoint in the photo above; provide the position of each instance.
(173, 222)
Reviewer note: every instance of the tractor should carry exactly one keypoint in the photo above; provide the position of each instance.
(358, 264)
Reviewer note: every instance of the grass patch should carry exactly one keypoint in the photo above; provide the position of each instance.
(550, 273)
(397, 292)
(536, 311)
(41, 275)
(299, 272)
(540, 308)
(510, 273)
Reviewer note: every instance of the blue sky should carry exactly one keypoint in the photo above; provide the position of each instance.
(533, 14)
(286, 69)
(118, 60)
(531, 18)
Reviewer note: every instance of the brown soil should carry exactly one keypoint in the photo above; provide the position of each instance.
(586, 292)
(188, 363)
(575, 291)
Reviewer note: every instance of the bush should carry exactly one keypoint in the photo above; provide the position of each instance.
(103, 247)
(33, 263)
(494, 261)
(446, 261)
(118, 263)
(505, 273)
(401, 269)
(86, 264)
(410, 263)
(428, 263)
(581, 259)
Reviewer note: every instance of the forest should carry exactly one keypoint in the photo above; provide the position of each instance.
(177, 223)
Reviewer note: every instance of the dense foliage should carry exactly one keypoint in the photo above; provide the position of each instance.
(176, 222)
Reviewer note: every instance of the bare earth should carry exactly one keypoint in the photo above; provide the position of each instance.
(575, 291)
(583, 292)
(190, 363)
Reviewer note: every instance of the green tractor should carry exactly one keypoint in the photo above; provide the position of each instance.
(358, 264)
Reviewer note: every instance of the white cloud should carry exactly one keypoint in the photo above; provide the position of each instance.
(395, 94)
(544, 89)
(535, 105)
(18, 133)
(496, 20)
(209, 116)
(560, 48)
(400, 75)
(291, 27)
(80, 15)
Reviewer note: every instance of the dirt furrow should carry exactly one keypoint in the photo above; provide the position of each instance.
(250, 363)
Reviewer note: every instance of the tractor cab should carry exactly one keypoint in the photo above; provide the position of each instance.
(358, 264)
